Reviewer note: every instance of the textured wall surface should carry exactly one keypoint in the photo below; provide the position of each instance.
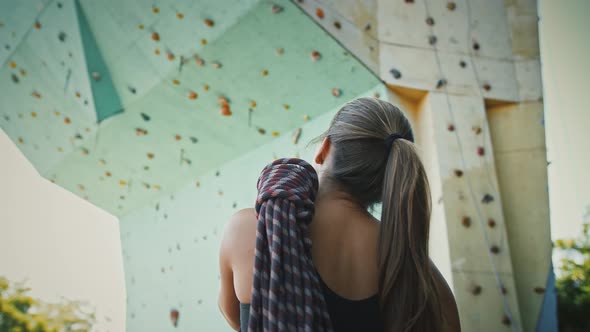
(163, 113)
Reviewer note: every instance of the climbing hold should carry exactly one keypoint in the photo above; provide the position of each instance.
(442, 82)
(61, 36)
(337, 25)
(409, 1)
(122, 182)
(174, 316)
(20, 140)
(37, 25)
(476, 130)
(296, 136)
(175, 82)
(315, 55)
(261, 131)
(432, 40)
(336, 92)
(96, 76)
(487, 87)
(132, 89)
(205, 87)
(170, 56)
(476, 46)
(396, 73)
(67, 120)
(145, 117)
(140, 132)
(491, 223)
(280, 51)
(107, 173)
(539, 290)
(150, 155)
(319, 13)
(22, 72)
(430, 21)
(77, 94)
(286, 107)
(463, 64)
(487, 198)
(141, 27)
(480, 151)
(194, 140)
(200, 62)
(155, 9)
(155, 36)
(451, 127)
(458, 173)
(503, 290)
(180, 16)
(216, 65)
(306, 117)
(451, 6)
(204, 41)
(276, 9)
(34, 114)
(265, 72)
(59, 5)
(506, 320)
(466, 222)
(252, 103)
(475, 289)
(376, 95)
(12, 64)
(209, 22)
(494, 249)
(192, 95)
(14, 78)
(224, 103)
(177, 137)
(157, 51)
(36, 94)
(275, 133)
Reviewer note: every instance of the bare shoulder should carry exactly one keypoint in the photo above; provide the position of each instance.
(239, 232)
(451, 322)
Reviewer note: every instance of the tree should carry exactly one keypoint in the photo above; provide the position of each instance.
(573, 283)
(20, 312)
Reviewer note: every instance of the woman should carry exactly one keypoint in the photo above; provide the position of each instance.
(361, 274)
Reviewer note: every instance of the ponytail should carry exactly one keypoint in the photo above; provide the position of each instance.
(408, 296)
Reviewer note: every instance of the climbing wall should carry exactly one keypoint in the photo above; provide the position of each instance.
(163, 113)
(468, 73)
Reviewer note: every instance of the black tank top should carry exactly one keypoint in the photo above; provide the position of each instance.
(346, 315)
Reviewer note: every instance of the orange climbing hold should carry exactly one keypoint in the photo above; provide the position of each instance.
(155, 10)
(107, 173)
(204, 41)
(157, 51)
(209, 22)
(150, 155)
(177, 137)
(67, 120)
(12, 64)
(336, 92)
(252, 103)
(265, 72)
(170, 56)
(275, 133)
(319, 13)
(180, 16)
(34, 114)
(192, 95)
(224, 110)
(155, 36)
(37, 25)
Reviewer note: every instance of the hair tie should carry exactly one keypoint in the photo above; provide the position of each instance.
(391, 138)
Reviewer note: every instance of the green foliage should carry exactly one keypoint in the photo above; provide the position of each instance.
(20, 312)
(573, 284)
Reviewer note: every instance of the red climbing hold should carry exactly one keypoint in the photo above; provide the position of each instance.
(155, 36)
(480, 151)
(174, 317)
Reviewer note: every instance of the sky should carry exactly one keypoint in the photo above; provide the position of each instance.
(565, 56)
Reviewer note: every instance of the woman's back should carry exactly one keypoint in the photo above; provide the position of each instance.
(344, 253)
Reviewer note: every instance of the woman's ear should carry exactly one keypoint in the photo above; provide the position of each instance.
(322, 152)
